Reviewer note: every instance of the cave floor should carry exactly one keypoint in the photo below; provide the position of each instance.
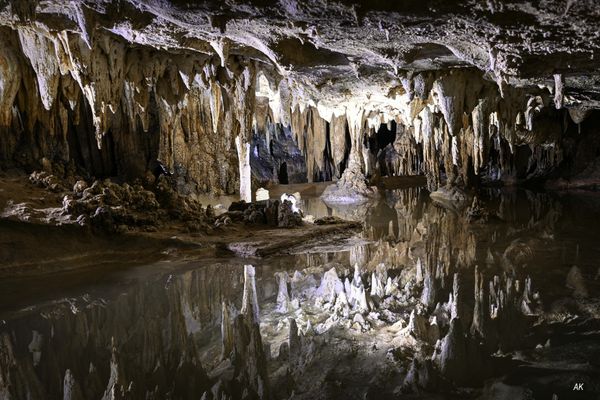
(144, 298)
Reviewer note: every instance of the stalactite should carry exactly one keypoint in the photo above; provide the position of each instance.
(338, 141)
(479, 312)
(36, 48)
(250, 301)
(453, 124)
(450, 93)
(10, 78)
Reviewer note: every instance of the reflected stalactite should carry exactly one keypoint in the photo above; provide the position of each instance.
(442, 302)
(157, 327)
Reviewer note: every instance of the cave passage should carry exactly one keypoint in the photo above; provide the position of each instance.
(282, 176)
(386, 134)
(300, 200)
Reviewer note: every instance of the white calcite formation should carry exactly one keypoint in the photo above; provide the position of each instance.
(262, 194)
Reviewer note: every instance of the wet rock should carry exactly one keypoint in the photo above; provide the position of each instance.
(256, 217)
(272, 213)
(287, 217)
(102, 219)
(46, 180)
(210, 212)
(83, 220)
(450, 197)
(292, 199)
(576, 281)
(421, 376)
(476, 213)
(79, 187)
(518, 253)
(239, 206)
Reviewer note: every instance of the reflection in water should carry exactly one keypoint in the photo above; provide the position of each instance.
(501, 299)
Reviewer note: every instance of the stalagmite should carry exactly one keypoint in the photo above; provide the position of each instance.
(331, 286)
(341, 306)
(527, 297)
(417, 325)
(377, 286)
(352, 186)
(429, 293)
(419, 271)
(458, 301)
(453, 355)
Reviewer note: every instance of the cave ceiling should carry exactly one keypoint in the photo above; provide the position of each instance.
(335, 51)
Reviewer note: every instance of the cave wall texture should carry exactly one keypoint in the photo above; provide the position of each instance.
(473, 90)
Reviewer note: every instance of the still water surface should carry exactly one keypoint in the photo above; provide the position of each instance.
(152, 304)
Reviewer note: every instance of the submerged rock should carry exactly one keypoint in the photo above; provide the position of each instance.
(287, 217)
(450, 197)
(351, 188)
(576, 281)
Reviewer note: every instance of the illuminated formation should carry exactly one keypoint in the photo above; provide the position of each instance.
(286, 199)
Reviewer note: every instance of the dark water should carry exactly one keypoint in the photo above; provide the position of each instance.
(150, 312)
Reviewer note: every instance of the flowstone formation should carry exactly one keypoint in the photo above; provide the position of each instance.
(228, 97)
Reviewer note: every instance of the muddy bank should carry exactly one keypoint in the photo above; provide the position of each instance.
(105, 222)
